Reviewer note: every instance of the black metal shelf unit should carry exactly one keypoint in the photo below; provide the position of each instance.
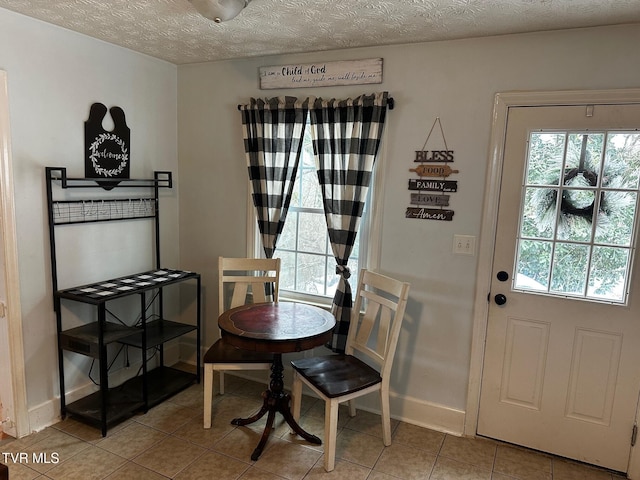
(108, 406)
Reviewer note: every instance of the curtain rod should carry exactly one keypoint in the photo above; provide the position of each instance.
(390, 104)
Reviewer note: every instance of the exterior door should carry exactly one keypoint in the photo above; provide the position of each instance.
(562, 357)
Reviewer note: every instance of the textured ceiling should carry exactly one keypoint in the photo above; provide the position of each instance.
(172, 30)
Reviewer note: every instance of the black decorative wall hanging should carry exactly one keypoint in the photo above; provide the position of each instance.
(107, 154)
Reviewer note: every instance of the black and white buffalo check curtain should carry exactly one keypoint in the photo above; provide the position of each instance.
(273, 132)
(346, 138)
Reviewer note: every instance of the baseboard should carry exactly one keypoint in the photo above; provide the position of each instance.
(428, 415)
(417, 412)
(406, 409)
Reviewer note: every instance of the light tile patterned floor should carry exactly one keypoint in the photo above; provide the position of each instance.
(169, 442)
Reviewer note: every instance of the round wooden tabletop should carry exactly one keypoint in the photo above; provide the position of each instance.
(281, 327)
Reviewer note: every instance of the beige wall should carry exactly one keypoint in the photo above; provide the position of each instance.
(453, 80)
(54, 75)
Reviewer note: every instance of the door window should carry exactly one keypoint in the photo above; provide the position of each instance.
(579, 208)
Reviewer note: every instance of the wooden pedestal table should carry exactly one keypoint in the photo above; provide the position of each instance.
(276, 328)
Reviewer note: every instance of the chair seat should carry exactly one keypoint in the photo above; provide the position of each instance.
(337, 375)
(222, 352)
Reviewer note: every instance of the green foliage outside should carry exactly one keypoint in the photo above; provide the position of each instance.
(579, 208)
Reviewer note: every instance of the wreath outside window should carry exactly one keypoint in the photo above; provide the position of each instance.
(571, 206)
(577, 205)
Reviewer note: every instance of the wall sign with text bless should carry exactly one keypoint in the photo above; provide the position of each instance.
(432, 180)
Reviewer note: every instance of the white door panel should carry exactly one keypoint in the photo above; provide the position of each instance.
(561, 374)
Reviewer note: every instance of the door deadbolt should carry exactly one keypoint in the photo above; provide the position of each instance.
(502, 276)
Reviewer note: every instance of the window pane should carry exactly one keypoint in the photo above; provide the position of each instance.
(333, 277)
(539, 215)
(622, 161)
(296, 195)
(593, 147)
(608, 273)
(312, 233)
(534, 262)
(311, 274)
(287, 270)
(353, 266)
(615, 227)
(546, 151)
(569, 268)
(287, 239)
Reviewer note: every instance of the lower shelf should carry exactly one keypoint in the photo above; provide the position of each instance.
(126, 399)
(164, 382)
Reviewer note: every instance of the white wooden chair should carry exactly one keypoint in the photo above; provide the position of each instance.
(341, 378)
(240, 281)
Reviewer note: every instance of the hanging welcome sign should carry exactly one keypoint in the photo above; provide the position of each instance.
(432, 179)
(107, 153)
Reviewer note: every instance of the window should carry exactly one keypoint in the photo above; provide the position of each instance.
(308, 265)
(580, 246)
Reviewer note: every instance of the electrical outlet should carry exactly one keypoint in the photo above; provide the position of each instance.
(464, 244)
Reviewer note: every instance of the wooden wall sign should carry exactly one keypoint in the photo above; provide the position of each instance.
(433, 185)
(107, 154)
(426, 199)
(427, 159)
(434, 170)
(429, 214)
(322, 74)
(423, 156)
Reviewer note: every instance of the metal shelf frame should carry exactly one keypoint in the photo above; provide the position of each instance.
(108, 406)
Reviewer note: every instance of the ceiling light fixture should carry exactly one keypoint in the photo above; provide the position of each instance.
(219, 10)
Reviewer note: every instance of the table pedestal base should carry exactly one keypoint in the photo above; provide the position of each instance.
(275, 400)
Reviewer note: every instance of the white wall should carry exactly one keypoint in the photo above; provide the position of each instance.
(54, 76)
(453, 80)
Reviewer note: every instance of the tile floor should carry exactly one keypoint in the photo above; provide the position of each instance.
(169, 442)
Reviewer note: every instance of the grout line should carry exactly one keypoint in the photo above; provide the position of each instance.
(196, 409)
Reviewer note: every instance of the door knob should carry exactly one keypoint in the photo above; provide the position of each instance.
(500, 299)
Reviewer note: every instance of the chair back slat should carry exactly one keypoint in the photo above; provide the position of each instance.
(259, 292)
(384, 330)
(375, 332)
(244, 280)
(367, 324)
(239, 294)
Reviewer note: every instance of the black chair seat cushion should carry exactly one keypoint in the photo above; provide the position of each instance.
(337, 375)
(222, 352)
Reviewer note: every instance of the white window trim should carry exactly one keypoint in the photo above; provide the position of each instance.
(374, 231)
